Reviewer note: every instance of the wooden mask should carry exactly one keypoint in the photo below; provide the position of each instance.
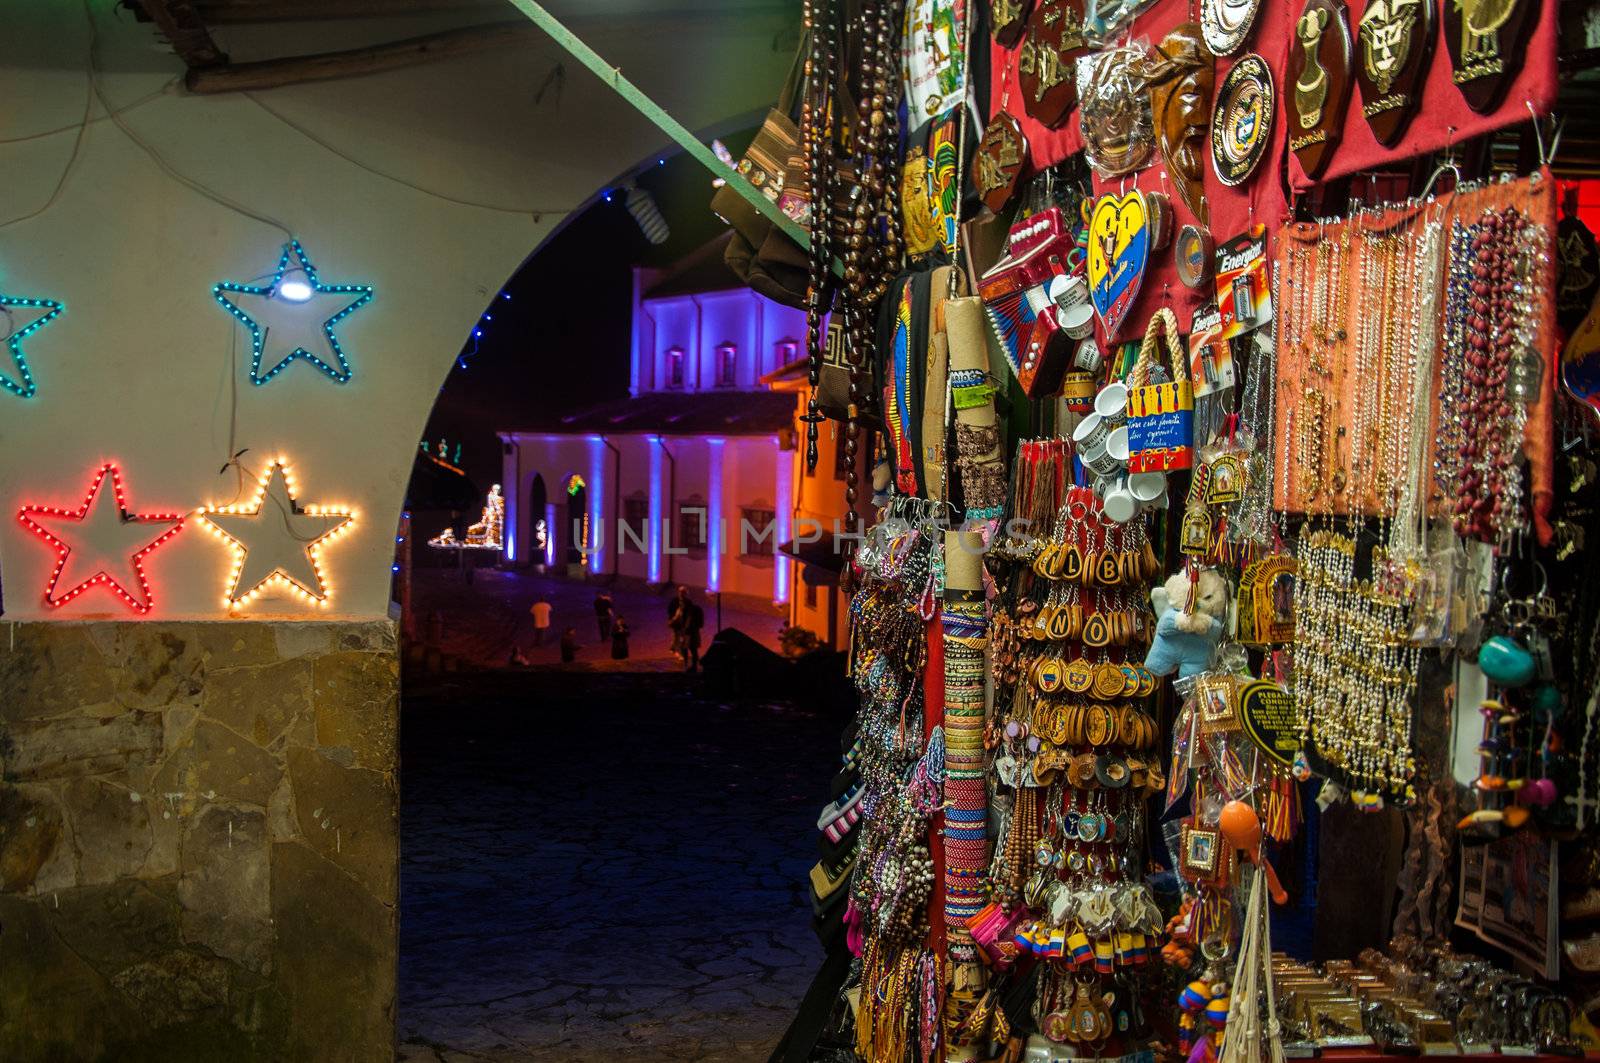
(1047, 63)
(1486, 40)
(1318, 82)
(1181, 73)
(1396, 39)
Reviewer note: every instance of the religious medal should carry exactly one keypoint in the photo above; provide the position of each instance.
(1396, 47)
(1319, 83)
(1046, 63)
(1001, 155)
(1119, 248)
(1226, 23)
(1241, 129)
(1180, 75)
(1008, 19)
(1486, 40)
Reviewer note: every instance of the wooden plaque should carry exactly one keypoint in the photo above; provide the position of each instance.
(1487, 39)
(1396, 39)
(1001, 155)
(1241, 128)
(1318, 82)
(1008, 19)
(1047, 63)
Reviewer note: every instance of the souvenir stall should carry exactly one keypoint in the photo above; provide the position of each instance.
(1218, 381)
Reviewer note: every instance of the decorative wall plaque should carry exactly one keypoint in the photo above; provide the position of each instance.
(1181, 73)
(1318, 88)
(1226, 23)
(1009, 20)
(1001, 155)
(1577, 272)
(1241, 129)
(1114, 111)
(1396, 38)
(1487, 39)
(1268, 714)
(1047, 62)
(1119, 249)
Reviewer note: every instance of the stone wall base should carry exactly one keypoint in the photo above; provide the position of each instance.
(199, 840)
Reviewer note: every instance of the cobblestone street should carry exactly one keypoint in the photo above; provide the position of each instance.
(604, 867)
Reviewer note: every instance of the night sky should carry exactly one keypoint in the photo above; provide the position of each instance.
(560, 342)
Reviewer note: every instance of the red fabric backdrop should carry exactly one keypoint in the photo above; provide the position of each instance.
(1260, 199)
(1445, 119)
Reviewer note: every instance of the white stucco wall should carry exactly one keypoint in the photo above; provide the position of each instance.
(146, 370)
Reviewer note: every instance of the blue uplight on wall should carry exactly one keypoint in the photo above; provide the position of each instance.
(42, 312)
(295, 285)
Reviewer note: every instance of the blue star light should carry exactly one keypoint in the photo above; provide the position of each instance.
(295, 286)
(35, 315)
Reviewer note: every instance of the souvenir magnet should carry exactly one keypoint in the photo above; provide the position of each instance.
(1241, 129)
(1192, 252)
(1318, 82)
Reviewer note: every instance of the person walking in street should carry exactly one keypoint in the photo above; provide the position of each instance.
(540, 611)
(677, 616)
(688, 619)
(569, 645)
(619, 639)
(603, 614)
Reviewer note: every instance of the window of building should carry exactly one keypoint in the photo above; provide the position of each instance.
(727, 366)
(691, 525)
(784, 352)
(635, 515)
(811, 594)
(757, 532)
(674, 367)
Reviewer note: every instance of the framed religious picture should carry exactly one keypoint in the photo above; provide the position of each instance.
(1217, 697)
(1202, 852)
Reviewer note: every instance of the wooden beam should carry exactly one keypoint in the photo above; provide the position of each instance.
(217, 12)
(275, 73)
(663, 121)
(185, 30)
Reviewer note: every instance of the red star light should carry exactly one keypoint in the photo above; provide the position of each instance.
(106, 538)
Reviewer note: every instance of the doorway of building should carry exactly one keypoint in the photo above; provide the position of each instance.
(537, 503)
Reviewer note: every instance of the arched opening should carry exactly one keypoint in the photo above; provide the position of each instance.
(664, 486)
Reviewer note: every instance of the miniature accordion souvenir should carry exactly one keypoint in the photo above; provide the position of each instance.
(1017, 304)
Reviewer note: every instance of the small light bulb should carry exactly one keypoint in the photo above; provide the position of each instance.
(294, 290)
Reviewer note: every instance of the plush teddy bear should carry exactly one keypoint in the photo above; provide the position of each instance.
(1186, 639)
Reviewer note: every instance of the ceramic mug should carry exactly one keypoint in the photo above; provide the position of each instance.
(1090, 435)
(1088, 357)
(1117, 444)
(1149, 489)
(1119, 503)
(1111, 402)
(1100, 461)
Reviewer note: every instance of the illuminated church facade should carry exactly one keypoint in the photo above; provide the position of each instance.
(695, 477)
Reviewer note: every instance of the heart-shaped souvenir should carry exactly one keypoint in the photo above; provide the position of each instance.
(1119, 250)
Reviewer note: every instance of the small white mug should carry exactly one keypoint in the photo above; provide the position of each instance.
(1119, 503)
(1111, 402)
(1090, 434)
